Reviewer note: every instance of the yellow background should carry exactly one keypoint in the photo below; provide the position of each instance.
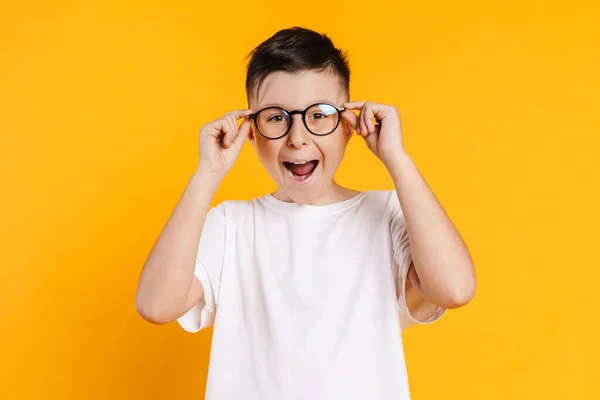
(100, 107)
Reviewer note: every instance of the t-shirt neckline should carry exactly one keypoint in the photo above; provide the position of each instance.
(287, 207)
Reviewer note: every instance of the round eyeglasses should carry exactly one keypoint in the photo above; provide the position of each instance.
(320, 119)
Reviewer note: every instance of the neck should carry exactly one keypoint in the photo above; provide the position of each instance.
(334, 193)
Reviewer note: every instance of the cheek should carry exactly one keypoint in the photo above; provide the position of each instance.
(268, 152)
(333, 151)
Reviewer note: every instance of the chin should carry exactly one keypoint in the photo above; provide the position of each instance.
(301, 195)
(300, 189)
(306, 196)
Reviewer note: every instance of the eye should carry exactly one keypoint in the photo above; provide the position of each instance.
(321, 112)
(318, 115)
(275, 118)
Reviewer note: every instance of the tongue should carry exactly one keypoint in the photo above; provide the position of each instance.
(302, 169)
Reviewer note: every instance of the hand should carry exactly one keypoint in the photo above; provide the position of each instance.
(221, 142)
(384, 138)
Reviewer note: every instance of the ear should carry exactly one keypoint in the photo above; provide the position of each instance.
(348, 129)
(251, 136)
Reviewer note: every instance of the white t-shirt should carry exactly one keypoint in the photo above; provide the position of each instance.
(306, 301)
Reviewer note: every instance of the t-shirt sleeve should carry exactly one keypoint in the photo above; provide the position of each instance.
(208, 268)
(402, 261)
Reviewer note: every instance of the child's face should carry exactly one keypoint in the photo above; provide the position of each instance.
(301, 183)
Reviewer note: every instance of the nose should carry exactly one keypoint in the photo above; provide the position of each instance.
(298, 136)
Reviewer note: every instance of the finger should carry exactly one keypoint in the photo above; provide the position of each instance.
(371, 141)
(354, 105)
(221, 131)
(232, 124)
(234, 128)
(351, 118)
(362, 126)
(238, 114)
(243, 132)
(381, 111)
(368, 118)
(224, 130)
(232, 117)
(363, 123)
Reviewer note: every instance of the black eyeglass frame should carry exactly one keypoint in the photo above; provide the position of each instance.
(340, 110)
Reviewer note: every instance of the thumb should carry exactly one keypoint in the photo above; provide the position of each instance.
(243, 132)
(351, 118)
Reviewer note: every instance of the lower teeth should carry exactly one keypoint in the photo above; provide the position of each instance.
(299, 177)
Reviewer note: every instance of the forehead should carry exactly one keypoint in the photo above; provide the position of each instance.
(297, 90)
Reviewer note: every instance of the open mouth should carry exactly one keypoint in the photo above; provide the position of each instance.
(302, 170)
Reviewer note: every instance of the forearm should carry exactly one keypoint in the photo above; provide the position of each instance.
(167, 277)
(441, 259)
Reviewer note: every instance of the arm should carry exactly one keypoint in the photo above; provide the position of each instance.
(167, 287)
(442, 268)
(442, 273)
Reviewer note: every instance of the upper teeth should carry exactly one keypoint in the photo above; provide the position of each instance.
(299, 162)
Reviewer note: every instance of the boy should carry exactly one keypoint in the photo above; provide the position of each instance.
(308, 288)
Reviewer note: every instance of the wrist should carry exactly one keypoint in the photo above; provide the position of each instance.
(208, 177)
(398, 163)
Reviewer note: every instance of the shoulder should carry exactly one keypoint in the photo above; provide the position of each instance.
(379, 195)
(235, 210)
(382, 199)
